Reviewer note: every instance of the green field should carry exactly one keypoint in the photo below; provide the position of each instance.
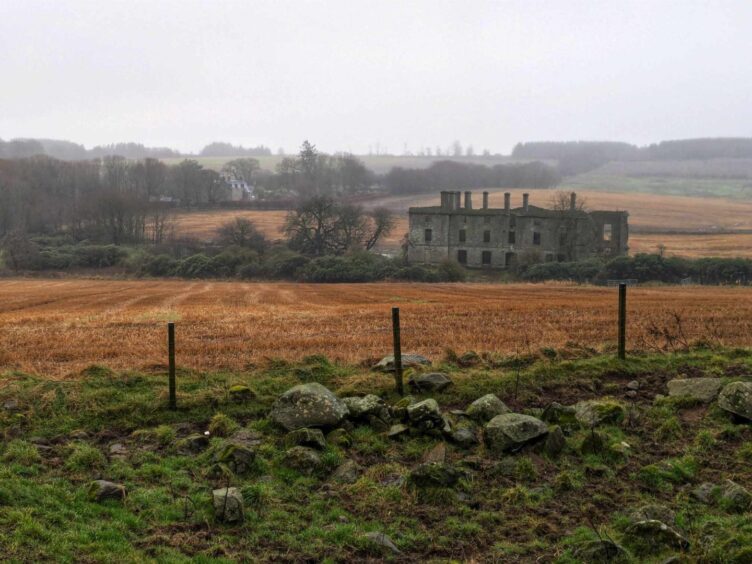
(662, 185)
(588, 495)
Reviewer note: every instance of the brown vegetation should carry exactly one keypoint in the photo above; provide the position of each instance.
(58, 327)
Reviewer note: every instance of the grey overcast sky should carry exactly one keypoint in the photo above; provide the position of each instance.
(350, 75)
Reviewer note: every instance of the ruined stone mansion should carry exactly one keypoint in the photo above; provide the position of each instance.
(500, 237)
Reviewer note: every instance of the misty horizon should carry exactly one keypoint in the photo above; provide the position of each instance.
(378, 78)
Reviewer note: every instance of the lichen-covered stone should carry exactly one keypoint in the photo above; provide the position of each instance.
(241, 393)
(236, 457)
(100, 490)
(653, 512)
(591, 413)
(193, 443)
(700, 389)
(555, 442)
(425, 415)
(432, 382)
(303, 459)
(348, 472)
(735, 498)
(652, 536)
(386, 364)
(563, 415)
(736, 398)
(511, 431)
(313, 438)
(486, 408)
(434, 475)
(228, 505)
(308, 405)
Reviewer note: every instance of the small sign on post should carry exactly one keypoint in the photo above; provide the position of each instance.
(171, 358)
(397, 352)
(622, 321)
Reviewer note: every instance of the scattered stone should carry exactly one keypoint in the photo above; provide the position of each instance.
(247, 437)
(236, 457)
(555, 442)
(465, 438)
(79, 435)
(436, 454)
(432, 382)
(118, 451)
(361, 408)
(512, 431)
(228, 505)
(306, 437)
(303, 459)
(633, 385)
(340, 437)
(470, 358)
(397, 431)
(386, 364)
(193, 443)
(601, 551)
(705, 493)
(699, 389)
(434, 475)
(100, 490)
(10, 405)
(486, 408)
(631, 394)
(383, 542)
(735, 498)
(655, 535)
(241, 393)
(392, 480)
(558, 414)
(506, 467)
(425, 415)
(653, 512)
(377, 424)
(591, 413)
(736, 398)
(308, 405)
(347, 472)
(399, 410)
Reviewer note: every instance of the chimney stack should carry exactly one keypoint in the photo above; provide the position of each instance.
(526, 202)
(468, 200)
(507, 201)
(573, 201)
(485, 200)
(457, 200)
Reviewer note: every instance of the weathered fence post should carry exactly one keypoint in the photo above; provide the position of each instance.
(622, 321)
(397, 352)
(171, 357)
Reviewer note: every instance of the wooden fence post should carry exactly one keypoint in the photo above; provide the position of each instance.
(397, 352)
(171, 357)
(622, 321)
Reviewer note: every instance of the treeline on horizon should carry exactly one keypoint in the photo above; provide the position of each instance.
(69, 151)
(575, 157)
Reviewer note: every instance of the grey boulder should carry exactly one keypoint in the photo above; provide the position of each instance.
(386, 364)
(308, 405)
(432, 382)
(736, 398)
(512, 431)
(700, 389)
(486, 408)
(228, 505)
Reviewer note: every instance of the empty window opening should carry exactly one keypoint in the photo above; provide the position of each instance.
(512, 237)
(428, 235)
(485, 258)
(486, 236)
(512, 222)
(536, 238)
(607, 232)
(462, 257)
(463, 236)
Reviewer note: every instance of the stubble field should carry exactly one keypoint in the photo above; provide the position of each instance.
(685, 226)
(56, 328)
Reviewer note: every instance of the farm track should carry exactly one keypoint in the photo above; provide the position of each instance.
(57, 328)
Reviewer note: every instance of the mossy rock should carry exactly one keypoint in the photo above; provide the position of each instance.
(434, 475)
(237, 458)
(592, 413)
(313, 438)
(99, 490)
(241, 393)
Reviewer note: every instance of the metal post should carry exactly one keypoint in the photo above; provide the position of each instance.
(397, 352)
(171, 356)
(622, 321)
